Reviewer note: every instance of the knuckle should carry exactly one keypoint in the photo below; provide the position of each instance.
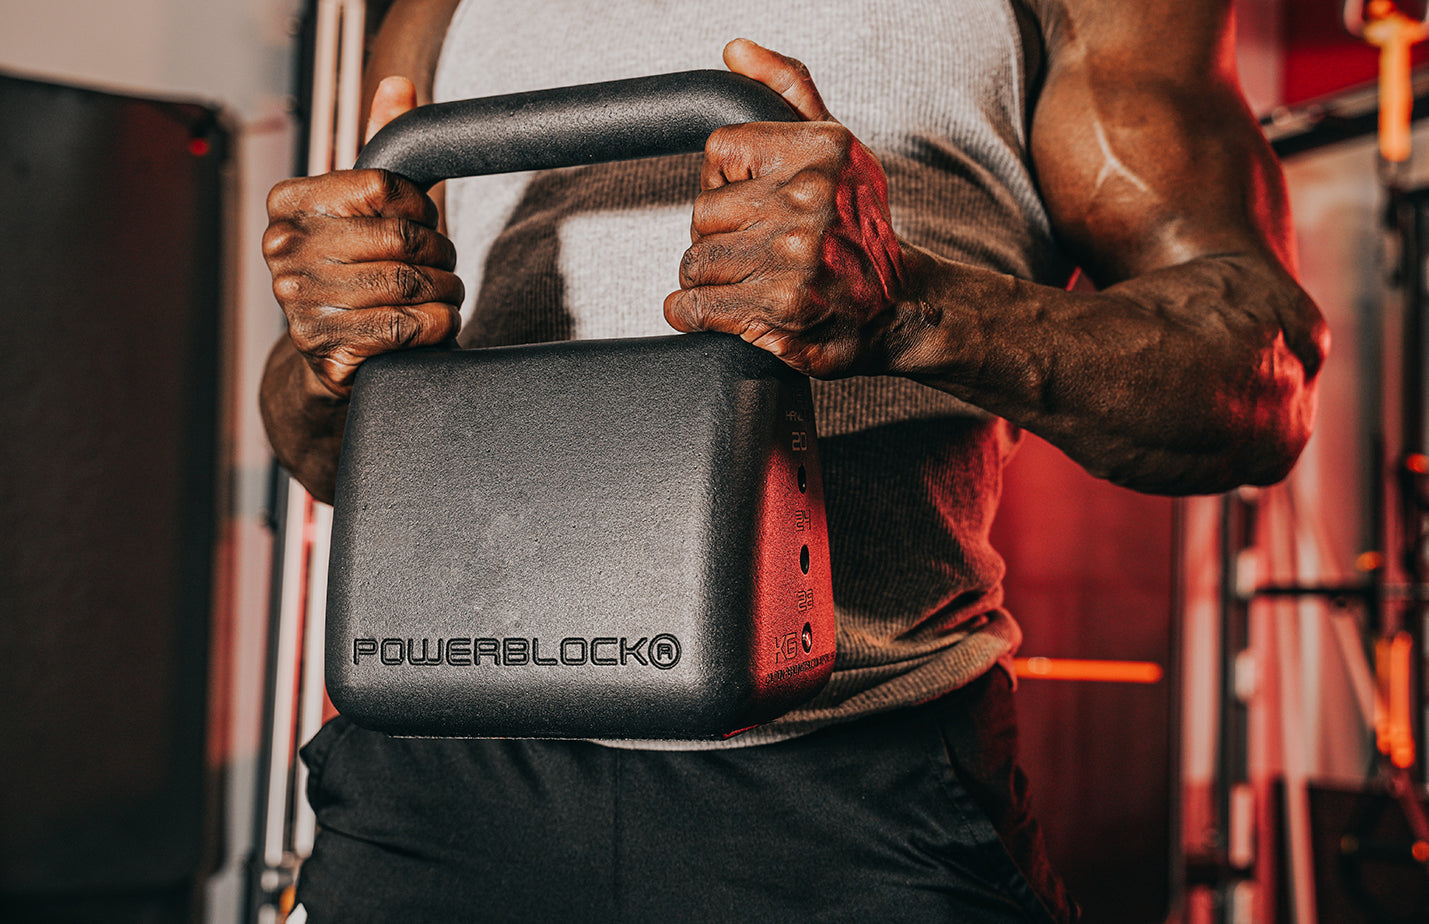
(834, 139)
(373, 190)
(700, 216)
(685, 308)
(288, 288)
(406, 326)
(280, 238)
(696, 308)
(799, 247)
(389, 189)
(282, 198)
(312, 340)
(730, 142)
(403, 327)
(787, 301)
(833, 134)
(809, 189)
(408, 238)
(722, 138)
(408, 282)
(707, 262)
(692, 264)
(336, 371)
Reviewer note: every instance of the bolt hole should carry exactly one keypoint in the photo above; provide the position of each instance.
(803, 480)
(804, 559)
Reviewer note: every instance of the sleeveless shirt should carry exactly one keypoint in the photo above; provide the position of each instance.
(942, 94)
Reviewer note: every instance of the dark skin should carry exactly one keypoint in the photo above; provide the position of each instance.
(1191, 370)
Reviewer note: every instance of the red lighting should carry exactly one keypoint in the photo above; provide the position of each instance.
(1102, 671)
(199, 147)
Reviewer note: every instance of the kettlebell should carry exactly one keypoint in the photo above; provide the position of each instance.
(609, 539)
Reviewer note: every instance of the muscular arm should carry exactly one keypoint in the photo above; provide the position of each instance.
(1191, 370)
(350, 301)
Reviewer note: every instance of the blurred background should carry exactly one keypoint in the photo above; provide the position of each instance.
(1223, 698)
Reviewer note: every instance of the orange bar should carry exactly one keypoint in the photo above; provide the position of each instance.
(1101, 671)
(1383, 734)
(1394, 34)
(1401, 703)
(1394, 698)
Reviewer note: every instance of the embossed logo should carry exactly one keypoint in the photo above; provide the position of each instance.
(662, 652)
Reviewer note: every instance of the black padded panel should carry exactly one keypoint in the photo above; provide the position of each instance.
(110, 300)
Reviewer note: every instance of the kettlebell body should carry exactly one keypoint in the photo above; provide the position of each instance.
(610, 539)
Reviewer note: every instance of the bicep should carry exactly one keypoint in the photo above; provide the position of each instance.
(1146, 152)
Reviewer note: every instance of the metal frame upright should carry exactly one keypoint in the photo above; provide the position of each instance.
(284, 824)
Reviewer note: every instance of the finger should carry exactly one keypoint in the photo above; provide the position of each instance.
(758, 149)
(379, 239)
(779, 196)
(720, 259)
(735, 207)
(748, 310)
(351, 193)
(359, 240)
(727, 309)
(716, 308)
(341, 286)
(745, 257)
(394, 96)
(784, 75)
(352, 336)
(336, 343)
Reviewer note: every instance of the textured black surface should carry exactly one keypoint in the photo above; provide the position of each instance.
(594, 123)
(619, 489)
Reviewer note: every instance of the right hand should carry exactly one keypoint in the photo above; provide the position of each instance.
(358, 265)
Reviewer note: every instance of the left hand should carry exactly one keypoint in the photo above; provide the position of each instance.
(792, 245)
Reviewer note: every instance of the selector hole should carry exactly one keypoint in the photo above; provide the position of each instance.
(804, 559)
(803, 480)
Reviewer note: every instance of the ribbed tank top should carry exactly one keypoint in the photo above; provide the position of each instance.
(941, 93)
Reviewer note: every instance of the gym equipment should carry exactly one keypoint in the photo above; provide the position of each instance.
(595, 539)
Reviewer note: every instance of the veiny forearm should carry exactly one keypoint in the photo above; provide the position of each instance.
(1190, 379)
(304, 421)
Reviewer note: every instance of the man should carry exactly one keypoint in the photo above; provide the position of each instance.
(921, 280)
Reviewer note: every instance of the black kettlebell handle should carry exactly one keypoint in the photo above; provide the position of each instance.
(589, 124)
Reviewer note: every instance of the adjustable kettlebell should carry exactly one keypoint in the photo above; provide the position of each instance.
(593, 539)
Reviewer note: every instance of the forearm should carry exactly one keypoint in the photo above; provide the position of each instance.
(1190, 379)
(358, 265)
(304, 420)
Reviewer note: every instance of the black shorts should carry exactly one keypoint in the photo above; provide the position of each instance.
(914, 815)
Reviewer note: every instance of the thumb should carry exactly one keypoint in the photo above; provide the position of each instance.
(784, 75)
(394, 96)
